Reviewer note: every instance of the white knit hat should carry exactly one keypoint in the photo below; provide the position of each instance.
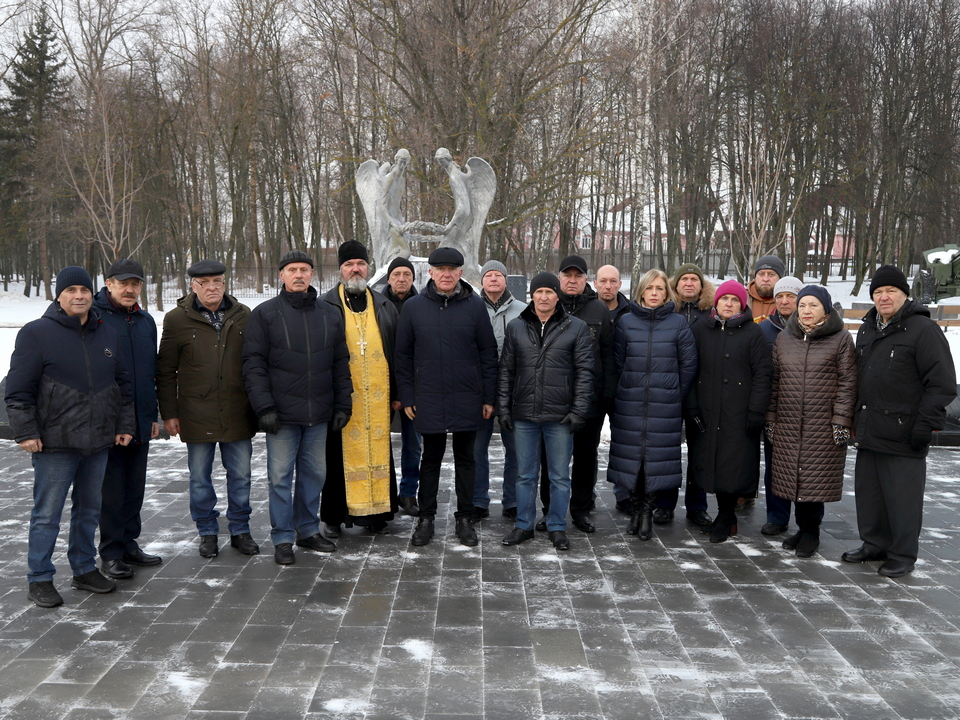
(787, 284)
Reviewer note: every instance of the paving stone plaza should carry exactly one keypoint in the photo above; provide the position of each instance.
(615, 628)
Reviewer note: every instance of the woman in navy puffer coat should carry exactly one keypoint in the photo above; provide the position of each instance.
(656, 358)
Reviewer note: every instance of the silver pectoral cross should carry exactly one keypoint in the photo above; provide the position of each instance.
(362, 344)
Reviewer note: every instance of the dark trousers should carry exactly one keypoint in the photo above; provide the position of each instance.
(809, 516)
(123, 487)
(889, 493)
(778, 509)
(694, 497)
(465, 468)
(583, 474)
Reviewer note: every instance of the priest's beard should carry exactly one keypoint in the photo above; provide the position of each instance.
(355, 285)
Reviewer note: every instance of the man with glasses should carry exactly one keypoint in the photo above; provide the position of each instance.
(203, 400)
(126, 474)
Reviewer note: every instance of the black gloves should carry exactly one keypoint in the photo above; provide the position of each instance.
(506, 423)
(920, 438)
(339, 420)
(694, 421)
(269, 422)
(754, 423)
(574, 421)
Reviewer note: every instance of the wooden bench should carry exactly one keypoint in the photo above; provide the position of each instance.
(948, 316)
(852, 315)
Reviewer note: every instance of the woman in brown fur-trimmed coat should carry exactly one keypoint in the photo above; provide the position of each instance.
(811, 411)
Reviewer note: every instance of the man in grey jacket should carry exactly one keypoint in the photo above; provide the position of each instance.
(502, 307)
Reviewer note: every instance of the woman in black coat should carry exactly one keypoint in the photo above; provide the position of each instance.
(727, 404)
(656, 359)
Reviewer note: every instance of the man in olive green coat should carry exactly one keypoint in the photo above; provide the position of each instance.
(202, 399)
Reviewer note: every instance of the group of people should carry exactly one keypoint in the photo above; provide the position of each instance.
(739, 368)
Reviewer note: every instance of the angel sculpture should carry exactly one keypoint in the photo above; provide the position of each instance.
(380, 188)
(473, 189)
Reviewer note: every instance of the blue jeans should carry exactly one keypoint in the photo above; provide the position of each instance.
(235, 457)
(481, 486)
(409, 457)
(53, 474)
(558, 444)
(297, 470)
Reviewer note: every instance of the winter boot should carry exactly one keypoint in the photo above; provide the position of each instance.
(646, 520)
(636, 513)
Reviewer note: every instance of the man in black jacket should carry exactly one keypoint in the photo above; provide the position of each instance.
(361, 485)
(446, 366)
(400, 288)
(906, 380)
(69, 401)
(126, 474)
(581, 301)
(297, 374)
(544, 394)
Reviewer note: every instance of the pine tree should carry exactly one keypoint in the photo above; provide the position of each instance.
(36, 96)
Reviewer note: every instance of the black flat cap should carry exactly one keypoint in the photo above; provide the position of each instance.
(203, 268)
(446, 256)
(125, 269)
(574, 261)
(295, 256)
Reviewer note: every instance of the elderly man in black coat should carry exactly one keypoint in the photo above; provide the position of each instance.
(906, 380)
(446, 369)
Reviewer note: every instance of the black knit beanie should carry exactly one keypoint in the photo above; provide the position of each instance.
(889, 275)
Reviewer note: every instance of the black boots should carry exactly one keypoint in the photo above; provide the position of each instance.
(641, 515)
(423, 533)
(808, 518)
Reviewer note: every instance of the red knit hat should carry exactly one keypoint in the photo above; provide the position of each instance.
(732, 287)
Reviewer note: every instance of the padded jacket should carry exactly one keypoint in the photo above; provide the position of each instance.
(546, 369)
(200, 373)
(68, 384)
(731, 396)
(295, 359)
(594, 312)
(137, 333)
(814, 388)
(906, 379)
(446, 360)
(656, 357)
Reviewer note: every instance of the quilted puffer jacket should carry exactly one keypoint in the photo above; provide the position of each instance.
(814, 388)
(656, 357)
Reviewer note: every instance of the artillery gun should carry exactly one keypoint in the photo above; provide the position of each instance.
(941, 276)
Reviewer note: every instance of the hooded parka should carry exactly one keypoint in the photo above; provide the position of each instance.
(731, 396)
(199, 373)
(656, 358)
(814, 388)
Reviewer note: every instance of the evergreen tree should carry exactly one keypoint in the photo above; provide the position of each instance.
(30, 200)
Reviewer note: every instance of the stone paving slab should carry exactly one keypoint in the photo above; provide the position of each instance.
(674, 628)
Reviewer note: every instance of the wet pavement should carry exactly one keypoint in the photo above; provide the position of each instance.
(615, 628)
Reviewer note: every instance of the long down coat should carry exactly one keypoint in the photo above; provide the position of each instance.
(814, 388)
(656, 358)
(730, 395)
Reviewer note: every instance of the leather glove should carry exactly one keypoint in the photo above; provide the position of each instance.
(754, 423)
(506, 423)
(574, 421)
(269, 422)
(841, 435)
(339, 420)
(920, 438)
(769, 427)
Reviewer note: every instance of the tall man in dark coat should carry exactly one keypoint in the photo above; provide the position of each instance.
(361, 483)
(581, 301)
(297, 375)
(126, 474)
(400, 288)
(202, 399)
(69, 401)
(906, 380)
(446, 366)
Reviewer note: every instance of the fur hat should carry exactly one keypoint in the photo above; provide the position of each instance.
(732, 287)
